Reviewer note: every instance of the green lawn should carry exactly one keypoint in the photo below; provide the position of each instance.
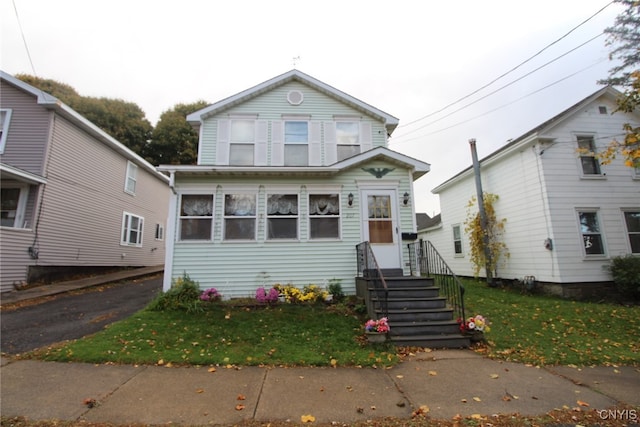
(540, 330)
(545, 330)
(286, 334)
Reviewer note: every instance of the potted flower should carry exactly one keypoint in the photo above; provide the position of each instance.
(475, 327)
(376, 330)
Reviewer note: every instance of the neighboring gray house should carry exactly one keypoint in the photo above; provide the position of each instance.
(292, 174)
(567, 214)
(73, 198)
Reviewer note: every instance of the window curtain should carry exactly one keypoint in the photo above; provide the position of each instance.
(324, 205)
(197, 206)
(278, 204)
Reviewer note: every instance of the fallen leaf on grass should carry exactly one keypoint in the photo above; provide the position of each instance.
(421, 411)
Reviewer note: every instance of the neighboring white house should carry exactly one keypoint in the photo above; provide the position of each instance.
(292, 174)
(567, 214)
(73, 198)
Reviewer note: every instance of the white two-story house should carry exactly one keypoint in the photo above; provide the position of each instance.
(292, 174)
(566, 213)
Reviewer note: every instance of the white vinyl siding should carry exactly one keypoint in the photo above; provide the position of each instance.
(132, 227)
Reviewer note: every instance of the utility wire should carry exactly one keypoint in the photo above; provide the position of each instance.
(393, 141)
(511, 70)
(24, 39)
(501, 88)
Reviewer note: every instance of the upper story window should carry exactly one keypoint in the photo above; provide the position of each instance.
(632, 223)
(240, 217)
(242, 142)
(196, 216)
(296, 143)
(590, 165)
(132, 226)
(131, 179)
(5, 118)
(282, 216)
(348, 139)
(13, 203)
(591, 233)
(457, 240)
(324, 216)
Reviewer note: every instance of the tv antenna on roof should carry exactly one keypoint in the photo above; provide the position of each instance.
(296, 59)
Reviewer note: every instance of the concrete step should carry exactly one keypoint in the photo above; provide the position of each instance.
(431, 327)
(422, 314)
(432, 341)
(406, 303)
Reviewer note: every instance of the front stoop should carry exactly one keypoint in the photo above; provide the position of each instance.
(418, 315)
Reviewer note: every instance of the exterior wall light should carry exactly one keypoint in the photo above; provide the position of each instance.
(405, 198)
(350, 199)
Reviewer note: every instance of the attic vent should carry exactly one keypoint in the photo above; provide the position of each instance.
(295, 97)
(602, 109)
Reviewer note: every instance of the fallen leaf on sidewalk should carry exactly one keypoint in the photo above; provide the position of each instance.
(581, 403)
(307, 418)
(211, 369)
(241, 397)
(494, 376)
(432, 373)
(200, 390)
(239, 407)
(477, 399)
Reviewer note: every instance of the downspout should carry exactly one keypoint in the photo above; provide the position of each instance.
(171, 230)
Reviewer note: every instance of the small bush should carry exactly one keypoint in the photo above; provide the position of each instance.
(626, 275)
(335, 289)
(265, 297)
(184, 295)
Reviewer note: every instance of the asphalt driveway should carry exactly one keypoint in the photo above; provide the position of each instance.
(73, 315)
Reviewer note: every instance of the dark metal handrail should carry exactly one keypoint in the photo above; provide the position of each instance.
(369, 269)
(425, 260)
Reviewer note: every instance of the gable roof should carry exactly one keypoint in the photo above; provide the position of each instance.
(538, 132)
(425, 221)
(197, 117)
(51, 102)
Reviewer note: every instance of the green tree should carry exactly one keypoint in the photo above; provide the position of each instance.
(624, 39)
(124, 121)
(494, 230)
(174, 141)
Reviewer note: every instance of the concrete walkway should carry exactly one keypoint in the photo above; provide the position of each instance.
(448, 382)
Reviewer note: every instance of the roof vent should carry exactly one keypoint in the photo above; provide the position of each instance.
(295, 97)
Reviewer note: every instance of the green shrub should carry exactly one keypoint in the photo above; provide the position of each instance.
(184, 295)
(335, 289)
(626, 275)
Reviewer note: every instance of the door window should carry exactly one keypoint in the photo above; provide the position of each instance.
(380, 221)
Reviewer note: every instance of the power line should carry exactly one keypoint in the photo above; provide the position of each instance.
(393, 141)
(24, 39)
(500, 88)
(511, 70)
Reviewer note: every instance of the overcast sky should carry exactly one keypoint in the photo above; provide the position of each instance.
(410, 59)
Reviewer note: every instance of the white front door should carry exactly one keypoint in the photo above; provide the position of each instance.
(380, 226)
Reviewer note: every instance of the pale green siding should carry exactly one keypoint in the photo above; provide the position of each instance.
(273, 105)
(238, 268)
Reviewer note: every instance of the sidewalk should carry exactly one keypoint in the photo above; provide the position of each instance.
(72, 285)
(448, 382)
